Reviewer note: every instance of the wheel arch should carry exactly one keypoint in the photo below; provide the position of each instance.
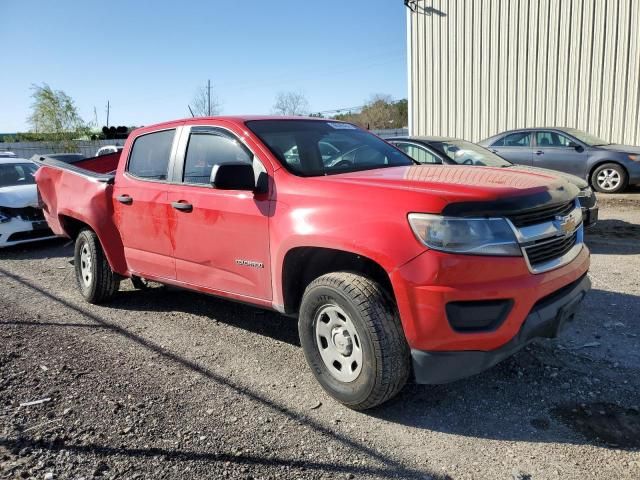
(302, 265)
(111, 245)
(599, 163)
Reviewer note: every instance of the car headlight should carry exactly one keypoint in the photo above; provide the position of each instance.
(475, 236)
(4, 218)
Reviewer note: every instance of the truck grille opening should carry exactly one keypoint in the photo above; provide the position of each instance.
(30, 235)
(541, 215)
(28, 214)
(546, 250)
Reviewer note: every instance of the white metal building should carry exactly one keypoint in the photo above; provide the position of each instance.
(479, 67)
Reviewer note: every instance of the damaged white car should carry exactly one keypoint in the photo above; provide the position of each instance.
(21, 219)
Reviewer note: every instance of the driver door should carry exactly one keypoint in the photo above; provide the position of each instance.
(221, 236)
(557, 152)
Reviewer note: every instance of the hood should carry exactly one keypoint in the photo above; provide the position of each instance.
(19, 196)
(614, 147)
(573, 179)
(461, 183)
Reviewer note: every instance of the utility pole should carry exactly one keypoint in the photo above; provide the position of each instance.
(209, 98)
(107, 113)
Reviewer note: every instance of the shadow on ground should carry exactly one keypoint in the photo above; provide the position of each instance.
(614, 236)
(518, 400)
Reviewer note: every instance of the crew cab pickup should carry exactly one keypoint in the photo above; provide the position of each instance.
(391, 268)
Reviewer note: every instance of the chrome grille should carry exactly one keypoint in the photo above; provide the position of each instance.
(541, 215)
(546, 250)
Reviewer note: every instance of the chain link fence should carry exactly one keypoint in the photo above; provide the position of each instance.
(391, 132)
(27, 149)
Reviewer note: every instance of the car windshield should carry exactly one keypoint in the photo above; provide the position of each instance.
(313, 147)
(586, 137)
(13, 174)
(467, 153)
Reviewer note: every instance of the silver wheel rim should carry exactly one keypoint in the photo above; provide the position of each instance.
(85, 264)
(609, 179)
(338, 343)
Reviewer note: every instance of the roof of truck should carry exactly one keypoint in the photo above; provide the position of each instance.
(236, 119)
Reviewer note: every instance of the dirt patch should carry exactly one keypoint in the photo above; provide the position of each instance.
(606, 423)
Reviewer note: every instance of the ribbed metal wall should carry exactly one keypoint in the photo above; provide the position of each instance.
(479, 67)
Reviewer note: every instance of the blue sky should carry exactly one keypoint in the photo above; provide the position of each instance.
(149, 57)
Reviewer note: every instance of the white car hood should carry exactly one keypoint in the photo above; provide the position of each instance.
(19, 196)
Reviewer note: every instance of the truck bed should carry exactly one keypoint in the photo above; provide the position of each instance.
(73, 198)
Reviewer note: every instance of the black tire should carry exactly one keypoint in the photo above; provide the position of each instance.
(385, 353)
(601, 169)
(98, 283)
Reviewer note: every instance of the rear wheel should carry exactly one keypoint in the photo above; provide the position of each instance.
(96, 280)
(609, 178)
(353, 340)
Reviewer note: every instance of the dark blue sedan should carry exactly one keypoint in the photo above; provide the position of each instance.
(608, 167)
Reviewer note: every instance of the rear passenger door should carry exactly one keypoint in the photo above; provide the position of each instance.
(221, 236)
(141, 208)
(419, 153)
(515, 147)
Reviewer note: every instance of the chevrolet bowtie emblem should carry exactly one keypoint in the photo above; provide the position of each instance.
(566, 224)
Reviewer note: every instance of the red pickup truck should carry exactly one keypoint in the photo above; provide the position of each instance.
(391, 268)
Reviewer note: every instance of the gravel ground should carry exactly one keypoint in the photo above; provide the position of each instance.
(169, 384)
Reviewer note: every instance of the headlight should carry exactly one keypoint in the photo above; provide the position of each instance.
(476, 236)
(4, 218)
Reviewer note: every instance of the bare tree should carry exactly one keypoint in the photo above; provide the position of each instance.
(291, 103)
(205, 102)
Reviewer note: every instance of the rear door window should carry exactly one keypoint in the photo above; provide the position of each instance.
(419, 154)
(519, 139)
(150, 155)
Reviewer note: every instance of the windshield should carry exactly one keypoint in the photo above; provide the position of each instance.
(586, 137)
(467, 153)
(12, 174)
(312, 148)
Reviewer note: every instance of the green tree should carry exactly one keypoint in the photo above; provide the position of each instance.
(54, 113)
(380, 112)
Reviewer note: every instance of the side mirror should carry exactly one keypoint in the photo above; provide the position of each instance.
(233, 176)
(577, 147)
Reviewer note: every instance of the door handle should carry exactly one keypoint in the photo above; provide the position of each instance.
(126, 199)
(182, 206)
(539, 152)
(494, 151)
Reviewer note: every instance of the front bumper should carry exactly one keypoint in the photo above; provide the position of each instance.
(545, 320)
(17, 231)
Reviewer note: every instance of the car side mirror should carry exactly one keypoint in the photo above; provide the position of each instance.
(233, 176)
(576, 146)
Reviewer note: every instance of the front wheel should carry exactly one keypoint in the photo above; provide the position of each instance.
(609, 178)
(96, 280)
(353, 340)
